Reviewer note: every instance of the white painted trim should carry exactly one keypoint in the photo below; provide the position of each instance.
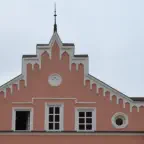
(13, 81)
(86, 102)
(77, 60)
(14, 109)
(37, 59)
(50, 98)
(108, 88)
(93, 110)
(9, 84)
(61, 105)
(34, 98)
(124, 116)
(55, 37)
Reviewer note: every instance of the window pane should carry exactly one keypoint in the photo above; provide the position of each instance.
(119, 121)
(81, 114)
(57, 110)
(88, 114)
(51, 126)
(81, 120)
(88, 127)
(50, 118)
(82, 127)
(88, 120)
(51, 109)
(22, 120)
(56, 126)
(56, 118)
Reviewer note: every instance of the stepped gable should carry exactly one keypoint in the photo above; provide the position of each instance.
(69, 48)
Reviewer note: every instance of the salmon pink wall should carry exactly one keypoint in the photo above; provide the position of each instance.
(71, 139)
(70, 93)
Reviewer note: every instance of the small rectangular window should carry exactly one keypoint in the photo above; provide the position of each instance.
(22, 119)
(54, 117)
(85, 119)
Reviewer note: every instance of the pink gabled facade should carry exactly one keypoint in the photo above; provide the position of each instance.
(65, 103)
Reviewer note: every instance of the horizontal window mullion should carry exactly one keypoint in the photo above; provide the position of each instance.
(85, 119)
(55, 117)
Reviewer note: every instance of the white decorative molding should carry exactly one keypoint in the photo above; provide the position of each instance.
(123, 117)
(54, 79)
(113, 92)
(9, 84)
(85, 102)
(34, 98)
(70, 49)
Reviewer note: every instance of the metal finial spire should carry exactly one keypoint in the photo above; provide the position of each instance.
(55, 25)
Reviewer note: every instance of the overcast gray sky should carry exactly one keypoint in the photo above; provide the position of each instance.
(111, 32)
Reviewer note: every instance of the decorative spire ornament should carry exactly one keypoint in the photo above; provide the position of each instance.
(55, 25)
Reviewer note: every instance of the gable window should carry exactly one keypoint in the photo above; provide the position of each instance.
(85, 119)
(54, 117)
(119, 120)
(22, 119)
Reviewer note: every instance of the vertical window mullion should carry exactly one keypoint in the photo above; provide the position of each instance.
(57, 118)
(53, 120)
(60, 117)
(85, 119)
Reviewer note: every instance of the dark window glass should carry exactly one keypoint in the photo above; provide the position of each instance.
(88, 120)
(82, 127)
(56, 118)
(51, 109)
(89, 127)
(50, 118)
(51, 126)
(56, 126)
(57, 110)
(81, 114)
(81, 120)
(88, 114)
(22, 120)
(119, 121)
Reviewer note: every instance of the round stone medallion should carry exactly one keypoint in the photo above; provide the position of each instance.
(54, 79)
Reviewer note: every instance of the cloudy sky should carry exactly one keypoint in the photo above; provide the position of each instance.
(111, 32)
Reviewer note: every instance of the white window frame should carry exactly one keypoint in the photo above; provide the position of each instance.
(14, 110)
(121, 115)
(61, 105)
(81, 109)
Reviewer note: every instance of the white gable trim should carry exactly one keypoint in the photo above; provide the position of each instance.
(76, 60)
(9, 84)
(56, 38)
